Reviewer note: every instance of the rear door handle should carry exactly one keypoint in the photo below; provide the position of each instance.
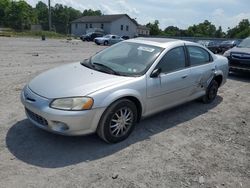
(184, 76)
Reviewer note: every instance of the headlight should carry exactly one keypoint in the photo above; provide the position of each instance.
(227, 53)
(74, 103)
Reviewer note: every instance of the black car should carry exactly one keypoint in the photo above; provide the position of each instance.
(226, 45)
(91, 36)
(214, 46)
(239, 57)
(125, 37)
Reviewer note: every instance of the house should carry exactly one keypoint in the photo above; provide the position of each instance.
(143, 30)
(118, 24)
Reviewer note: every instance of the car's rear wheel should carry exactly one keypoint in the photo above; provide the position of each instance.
(211, 92)
(118, 121)
(106, 43)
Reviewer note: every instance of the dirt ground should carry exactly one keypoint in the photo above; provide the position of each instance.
(193, 145)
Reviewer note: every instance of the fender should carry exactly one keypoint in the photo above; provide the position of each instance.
(121, 94)
(216, 72)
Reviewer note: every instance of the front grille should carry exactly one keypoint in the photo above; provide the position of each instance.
(239, 64)
(240, 60)
(240, 56)
(40, 120)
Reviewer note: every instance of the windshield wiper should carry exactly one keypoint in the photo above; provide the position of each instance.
(86, 63)
(110, 70)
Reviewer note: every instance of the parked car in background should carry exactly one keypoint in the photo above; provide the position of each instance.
(91, 36)
(203, 42)
(214, 46)
(108, 39)
(125, 37)
(226, 45)
(111, 91)
(239, 57)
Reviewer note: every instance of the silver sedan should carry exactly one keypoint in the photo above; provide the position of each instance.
(108, 40)
(111, 91)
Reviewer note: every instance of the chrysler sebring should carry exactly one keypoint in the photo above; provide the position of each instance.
(111, 91)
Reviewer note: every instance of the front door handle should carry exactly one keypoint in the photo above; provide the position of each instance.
(184, 76)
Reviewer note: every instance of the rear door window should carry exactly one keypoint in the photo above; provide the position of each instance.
(198, 56)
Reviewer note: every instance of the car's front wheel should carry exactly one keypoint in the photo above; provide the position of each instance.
(106, 43)
(118, 121)
(211, 92)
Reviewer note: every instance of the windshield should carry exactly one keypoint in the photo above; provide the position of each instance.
(127, 58)
(245, 43)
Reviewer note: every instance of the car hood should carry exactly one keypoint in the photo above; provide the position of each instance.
(240, 50)
(72, 80)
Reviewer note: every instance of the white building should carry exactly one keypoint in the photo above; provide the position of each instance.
(117, 24)
(142, 30)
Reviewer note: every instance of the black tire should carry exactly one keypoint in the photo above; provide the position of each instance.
(105, 43)
(113, 129)
(211, 92)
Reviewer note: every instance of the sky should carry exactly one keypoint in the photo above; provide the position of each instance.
(180, 13)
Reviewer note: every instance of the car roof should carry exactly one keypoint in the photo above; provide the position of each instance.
(160, 42)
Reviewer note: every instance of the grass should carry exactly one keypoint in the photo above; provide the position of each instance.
(36, 34)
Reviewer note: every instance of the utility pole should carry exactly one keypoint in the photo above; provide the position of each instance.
(49, 15)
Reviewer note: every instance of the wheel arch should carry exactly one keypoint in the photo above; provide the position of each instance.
(131, 95)
(218, 78)
(133, 99)
(137, 104)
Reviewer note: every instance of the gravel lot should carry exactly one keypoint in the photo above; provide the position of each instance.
(193, 145)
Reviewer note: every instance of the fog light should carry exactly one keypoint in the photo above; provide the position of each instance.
(59, 126)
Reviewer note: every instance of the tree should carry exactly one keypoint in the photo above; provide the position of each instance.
(20, 15)
(4, 4)
(219, 33)
(154, 28)
(62, 16)
(172, 31)
(242, 30)
(205, 29)
(42, 14)
(91, 12)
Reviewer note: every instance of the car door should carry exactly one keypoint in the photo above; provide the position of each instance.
(112, 39)
(202, 68)
(173, 85)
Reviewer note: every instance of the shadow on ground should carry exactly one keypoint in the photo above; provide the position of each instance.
(37, 147)
(243, 76)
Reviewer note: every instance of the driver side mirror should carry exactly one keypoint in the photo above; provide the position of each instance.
(155, 73)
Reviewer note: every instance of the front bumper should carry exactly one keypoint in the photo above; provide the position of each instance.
(98, 42)
(239, 63)
(59, 121)
(239, 69)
